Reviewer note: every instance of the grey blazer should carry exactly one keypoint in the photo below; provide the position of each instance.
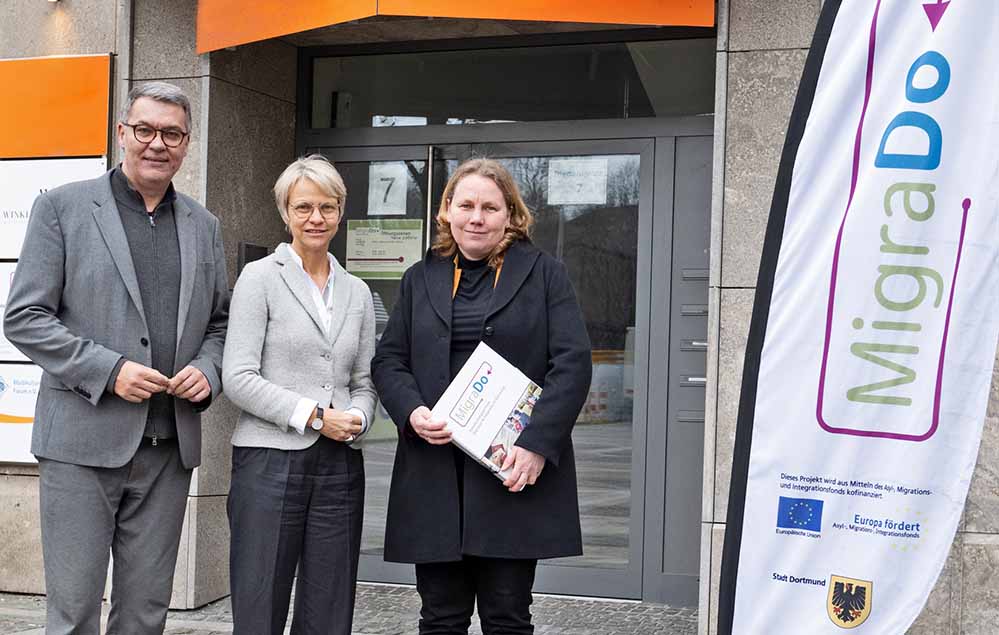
(75, 309)
(277, 351)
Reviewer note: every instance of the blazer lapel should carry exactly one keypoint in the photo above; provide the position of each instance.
(109, 224)
(439, 277)
(297, 283)
(187, 237)
(341, 300)
(517, 264)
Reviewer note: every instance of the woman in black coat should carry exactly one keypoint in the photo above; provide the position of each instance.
(471, 537)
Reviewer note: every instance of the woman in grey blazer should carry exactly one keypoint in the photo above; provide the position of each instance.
(297, 363)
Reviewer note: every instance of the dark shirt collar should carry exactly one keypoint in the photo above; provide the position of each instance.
(125, 195)
(466, 263)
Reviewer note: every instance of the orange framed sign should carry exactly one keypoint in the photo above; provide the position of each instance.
(55, 106)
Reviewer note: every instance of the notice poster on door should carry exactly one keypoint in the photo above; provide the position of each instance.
(7, 351)
(383, 249)
(387, 188)
(577, 181)
(18, 392)
(20, 184)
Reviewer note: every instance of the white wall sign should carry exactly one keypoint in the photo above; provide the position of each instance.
(21, 181)
(383, 248)
(7, 351)
(18, 391)
(577, 181)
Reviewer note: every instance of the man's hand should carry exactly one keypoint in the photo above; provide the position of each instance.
(136, 382)
(433, 432)
(191, 384)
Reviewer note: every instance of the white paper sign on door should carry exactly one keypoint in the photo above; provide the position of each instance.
(18, 392)
(387, 183)
(577, 181)
(20, 184)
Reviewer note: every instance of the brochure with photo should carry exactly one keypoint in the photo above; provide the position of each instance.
(487, 406)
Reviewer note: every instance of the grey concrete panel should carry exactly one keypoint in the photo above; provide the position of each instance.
(252, 139)
(268, 67)
(735, 312)
(202, 573)
(718, 169)
(21, 568)
(723, 7)
(979, 591)
(711, 407)
(211, 478)
(37, 28)
(211, 543)
(981, 512)
(190, 178)
(717, 543)
(164, 35)
(755, 25)
(761, 90)
(943, 608)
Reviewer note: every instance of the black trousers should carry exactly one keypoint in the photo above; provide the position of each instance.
(502, 587)
(288, 509)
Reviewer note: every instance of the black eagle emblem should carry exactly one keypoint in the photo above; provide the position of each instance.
(848, 601)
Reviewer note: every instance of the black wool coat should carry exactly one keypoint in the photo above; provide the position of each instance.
(534, 321)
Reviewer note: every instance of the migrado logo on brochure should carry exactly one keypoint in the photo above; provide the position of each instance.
(471, 397)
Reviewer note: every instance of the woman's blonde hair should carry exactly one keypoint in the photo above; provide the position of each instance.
(315, 168)
(521, 219)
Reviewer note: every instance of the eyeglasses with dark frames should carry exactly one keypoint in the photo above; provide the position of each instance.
(145, 134)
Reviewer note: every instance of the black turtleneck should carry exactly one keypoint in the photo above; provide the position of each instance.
(468, 309)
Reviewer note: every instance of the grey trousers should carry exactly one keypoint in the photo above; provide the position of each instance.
(134, 512)
(288, 509)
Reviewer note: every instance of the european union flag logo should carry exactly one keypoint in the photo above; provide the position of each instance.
(799, 513)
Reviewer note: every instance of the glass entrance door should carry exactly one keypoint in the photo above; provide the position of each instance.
(628, 215)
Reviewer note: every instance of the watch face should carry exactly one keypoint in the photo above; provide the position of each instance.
(317, 424)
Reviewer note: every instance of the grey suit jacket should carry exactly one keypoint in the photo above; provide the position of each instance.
(277, 351)
(75, 309)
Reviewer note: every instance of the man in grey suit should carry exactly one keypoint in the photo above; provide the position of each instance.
(121, 296)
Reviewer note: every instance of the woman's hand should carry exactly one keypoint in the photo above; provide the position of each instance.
(525, 468)
(433, 432)
(340, 426)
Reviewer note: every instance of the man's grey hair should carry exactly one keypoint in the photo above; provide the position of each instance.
(160, 91)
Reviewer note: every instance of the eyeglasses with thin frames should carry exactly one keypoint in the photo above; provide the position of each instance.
(304, 210)
(145, 134)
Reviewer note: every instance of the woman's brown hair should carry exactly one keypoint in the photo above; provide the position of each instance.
(521, 219)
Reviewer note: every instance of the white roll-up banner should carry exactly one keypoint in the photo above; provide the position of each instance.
(874, 328)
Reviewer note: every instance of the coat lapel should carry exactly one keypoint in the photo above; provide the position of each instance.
(297, 283)
(113, 232)
(517, 264)
(187, 237)
(439, 277)
(341, 300)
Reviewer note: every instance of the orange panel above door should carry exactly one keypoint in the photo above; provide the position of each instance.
(223, 23)
(644, 12)
(55, 106)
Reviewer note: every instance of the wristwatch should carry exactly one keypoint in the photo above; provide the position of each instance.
(317, 423)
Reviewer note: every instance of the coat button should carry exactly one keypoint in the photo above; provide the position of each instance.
(489, 331)
(327, 356)
(144, 341)
(327, 387)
